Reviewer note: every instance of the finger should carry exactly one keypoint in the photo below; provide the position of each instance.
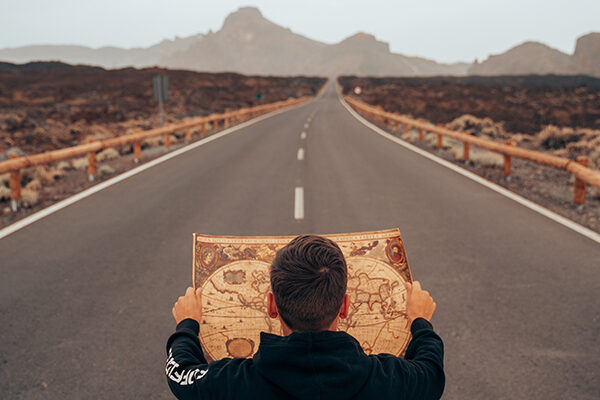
(173, 312)
(189, 291)
(417, 285)
(408, 287)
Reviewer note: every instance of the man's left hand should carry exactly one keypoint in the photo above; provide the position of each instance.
(188, 306)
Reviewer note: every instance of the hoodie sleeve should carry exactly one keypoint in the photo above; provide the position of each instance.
(186, 366)
(425, 354)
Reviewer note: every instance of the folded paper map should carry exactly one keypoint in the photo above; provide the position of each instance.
(233, 272)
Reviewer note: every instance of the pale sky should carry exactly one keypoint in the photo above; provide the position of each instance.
(442, 30)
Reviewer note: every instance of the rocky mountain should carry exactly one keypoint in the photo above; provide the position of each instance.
(537, 58)
(249, 43)
(107, 57)
(587, 54)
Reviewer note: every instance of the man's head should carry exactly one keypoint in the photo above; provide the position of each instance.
(308, 280)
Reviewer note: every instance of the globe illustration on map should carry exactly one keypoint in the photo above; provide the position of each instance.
(234, 308)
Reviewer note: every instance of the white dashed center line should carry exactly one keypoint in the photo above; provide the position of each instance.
(299, 203)
(306, 125)
(300, 154)
(303, 135)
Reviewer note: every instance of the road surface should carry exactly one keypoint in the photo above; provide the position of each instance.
(86, 292)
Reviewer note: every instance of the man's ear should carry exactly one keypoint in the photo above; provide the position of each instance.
(345, 306)
(271, 306)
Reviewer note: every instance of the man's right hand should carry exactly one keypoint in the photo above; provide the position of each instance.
(419, 303)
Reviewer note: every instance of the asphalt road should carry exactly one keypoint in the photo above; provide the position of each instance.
(86, 292)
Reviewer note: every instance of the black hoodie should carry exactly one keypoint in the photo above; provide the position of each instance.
(307, 365)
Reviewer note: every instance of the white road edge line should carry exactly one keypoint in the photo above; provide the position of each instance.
(300, 155)
(303, 135)
(299, 203)
(96, 188)
(582, 230)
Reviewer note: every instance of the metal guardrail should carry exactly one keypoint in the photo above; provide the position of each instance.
(583, 175)
(16, 163)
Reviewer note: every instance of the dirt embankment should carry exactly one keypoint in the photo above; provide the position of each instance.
(524, 104)
(45, 106)
(559, 115)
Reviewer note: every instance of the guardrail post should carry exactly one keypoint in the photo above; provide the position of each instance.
(215, 124)
(466, 150)
(203, 128)
(440, 139)
(167, 140)
(226, 122)
(421, 134)
(506, 171)
(92, 163)
(137, 151)
(188, 134)
(406, 128)
(15, 186)
(580, 186)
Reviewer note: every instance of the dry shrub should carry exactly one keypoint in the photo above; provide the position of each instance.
(487, 159)
(554, 137)
(432, 139)
(64, 165)
(478, 126)
(521, 138)
(107, 154)
(152, 142)
(34, 185)
(98, 132)
(79, 163)
(4, 193)
(410, 136)
(47, 174)
(29, 198)
(457, 151)
(5, 179)
(105, 170)
(126, 149)
(178, 134)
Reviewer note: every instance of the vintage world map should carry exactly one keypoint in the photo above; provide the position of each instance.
(233, 273)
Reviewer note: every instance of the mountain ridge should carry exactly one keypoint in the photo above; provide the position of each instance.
(249, 43)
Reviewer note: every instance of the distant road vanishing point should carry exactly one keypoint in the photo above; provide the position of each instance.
(86, 292)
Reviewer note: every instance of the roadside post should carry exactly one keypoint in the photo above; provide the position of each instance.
(15, 186)
(580, 185)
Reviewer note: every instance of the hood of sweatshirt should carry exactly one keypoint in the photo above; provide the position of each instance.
(313, 365)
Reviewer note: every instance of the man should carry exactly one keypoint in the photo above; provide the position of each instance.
(312, 360)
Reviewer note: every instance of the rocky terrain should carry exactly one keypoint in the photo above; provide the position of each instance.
(45, 106)
(555, 114)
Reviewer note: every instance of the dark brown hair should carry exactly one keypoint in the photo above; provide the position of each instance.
(309, 279)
